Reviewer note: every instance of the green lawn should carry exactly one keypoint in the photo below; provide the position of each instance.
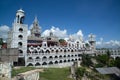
(21, 70)
(55, 74)
(48, 74)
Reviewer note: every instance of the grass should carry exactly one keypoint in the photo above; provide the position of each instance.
(21, 70)
(58, 73)
(55, 74)
(48, 74)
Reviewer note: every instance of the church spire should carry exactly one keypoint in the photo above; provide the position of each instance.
(35, 20)
(36, 30)
(35, 23)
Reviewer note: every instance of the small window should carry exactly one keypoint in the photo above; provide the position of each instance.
(20, 51)
(20, 36)
(20, 29)
(20, 44)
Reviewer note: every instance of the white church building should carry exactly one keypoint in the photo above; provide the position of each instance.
(49, 51)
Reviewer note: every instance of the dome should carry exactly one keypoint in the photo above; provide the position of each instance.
(20, 10)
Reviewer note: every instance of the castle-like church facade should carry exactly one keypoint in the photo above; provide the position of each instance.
(49, 51)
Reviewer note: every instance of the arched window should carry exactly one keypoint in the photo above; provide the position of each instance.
(72, 60)
(30, 58)
(47, 51)
(68, 55)
(77, 44)
(79, 55)
(79, 59)
(68, 50)
(56, 57)
(20, 36)
(71, 55)
(30, 64)
(52, 51)
(37, 57)
(20, 51)
(20, 44)
(50, 62)
(50, 57)
(64, 56)
(20, 29)
(65, 50)
(44, 63)
(44, 58)
(60, 56)
(35, 51)
(75, 59)
(64, 60)
(56, 51)
(56, 62)
(37, 64)
(60, 61)
(42, 51)
(68, 60)
(71, 50)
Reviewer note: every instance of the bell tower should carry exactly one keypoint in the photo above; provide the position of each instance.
(17, 37)
(20, 16)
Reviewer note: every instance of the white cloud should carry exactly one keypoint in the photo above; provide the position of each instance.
(108, 44)
(31, 26)
(56, 31)
(28, 33)
(4, 31)
(62, 33)
(79, 33)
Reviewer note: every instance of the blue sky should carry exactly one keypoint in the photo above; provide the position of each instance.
(100, 17)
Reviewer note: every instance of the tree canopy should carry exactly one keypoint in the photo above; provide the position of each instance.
(1, 41)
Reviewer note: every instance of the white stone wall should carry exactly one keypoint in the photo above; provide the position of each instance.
(29, 75)
(52, 56)
(18, 34)
(113, 52)
(5, 70)
(16, 39)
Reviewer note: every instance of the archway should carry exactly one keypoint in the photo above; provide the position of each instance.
(56, 62)
(50, 57)
(44, 63)
(30, 64)
(50, 63)
(60, 61)
(37, 64)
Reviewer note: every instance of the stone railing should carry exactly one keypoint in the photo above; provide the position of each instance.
(29, 75)
(5, 71)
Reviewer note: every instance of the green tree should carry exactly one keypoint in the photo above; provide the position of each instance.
(117, 62)
(111, 62)
(104, 59)
(1, 41)
(62, 42)
(86, 60)
(80, 72)
(87, 45)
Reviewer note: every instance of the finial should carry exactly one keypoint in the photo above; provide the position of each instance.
(20, 10)
(36, 20)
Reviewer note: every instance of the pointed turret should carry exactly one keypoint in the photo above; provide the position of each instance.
(36, 31)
